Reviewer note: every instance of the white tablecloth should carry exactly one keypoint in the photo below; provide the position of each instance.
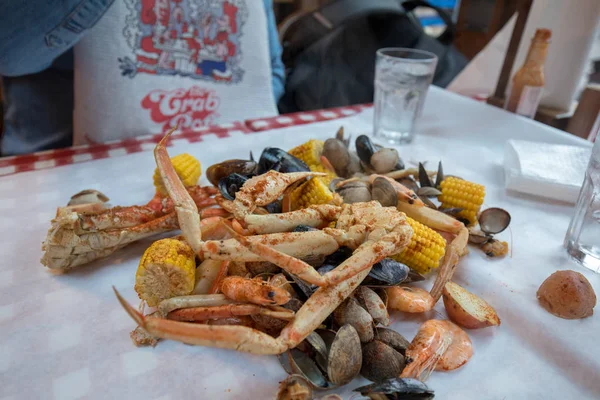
(66, 337)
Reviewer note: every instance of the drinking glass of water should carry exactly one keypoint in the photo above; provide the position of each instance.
(583, 236)
(402, 78)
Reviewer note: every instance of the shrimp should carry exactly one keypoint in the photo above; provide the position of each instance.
(409, 299)
(439, 345)
(254, 291)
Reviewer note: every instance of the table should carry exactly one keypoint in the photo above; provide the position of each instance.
(66, 337)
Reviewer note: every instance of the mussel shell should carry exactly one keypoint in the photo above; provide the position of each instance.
(229, 185)
(273, 158)
(364, 149)
(338, 256)
(398, 388)
(350, 312)
(493, 220)
(345, 356)
(302, 364)
(216, 172)
(304, 228)
(392, 338)
(384, 160)
(387, 272)
(381, 362)
(409, 183)
(383, 191)
(439, 176)
(414, 276)
(274, 207)
(424, 180)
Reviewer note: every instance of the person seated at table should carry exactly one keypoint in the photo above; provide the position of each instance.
(77, 72)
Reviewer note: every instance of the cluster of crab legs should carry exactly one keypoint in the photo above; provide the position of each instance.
(373, 232)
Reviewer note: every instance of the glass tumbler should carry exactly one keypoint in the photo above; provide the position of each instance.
(583, 236)
(402, 78)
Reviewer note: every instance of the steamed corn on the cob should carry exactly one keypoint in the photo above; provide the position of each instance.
(464, 194)
(313, 191)
(310, 152)
(425, 250)
(188, 169)
(167, 269)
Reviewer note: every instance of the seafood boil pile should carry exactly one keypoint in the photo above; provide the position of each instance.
(302, 254)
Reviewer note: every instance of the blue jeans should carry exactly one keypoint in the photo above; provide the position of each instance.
(36, 68)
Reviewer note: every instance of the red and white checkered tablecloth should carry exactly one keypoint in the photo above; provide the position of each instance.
(71, 155)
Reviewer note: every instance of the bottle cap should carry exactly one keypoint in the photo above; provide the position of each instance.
(542, 34)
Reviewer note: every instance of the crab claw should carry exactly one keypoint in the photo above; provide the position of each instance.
(264, 189)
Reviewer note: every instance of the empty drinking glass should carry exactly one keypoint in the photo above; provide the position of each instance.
(402, 78)
(583, 236)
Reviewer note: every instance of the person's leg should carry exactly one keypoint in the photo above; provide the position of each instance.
(36, 69)
(38, 111)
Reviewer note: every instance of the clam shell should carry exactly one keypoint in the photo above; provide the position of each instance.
(355, 192)
(428, 191)
(216, 172)
(384, 160)
(294, 387)
(339, 156)
(478, 237)
(381, 362)
(371, 302)
(392, 339)
(345, 356)
(350, 312)
(494, 220)
(383, 191)
(409, 183)
(88, 196)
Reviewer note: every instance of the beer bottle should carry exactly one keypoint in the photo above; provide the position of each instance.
(528, 83)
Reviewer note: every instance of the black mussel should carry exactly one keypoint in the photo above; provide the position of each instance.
(397, 388)
(424, 180)
(414, 276)
(274, 207)
(304, 228)
(273, 158)
(365, 149)
(440, 176)
(338, 256)
(325, 268)
(216, 172)
(229, 185)
(387, 272)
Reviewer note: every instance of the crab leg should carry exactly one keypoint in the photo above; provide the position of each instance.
(238, 338)
(314, 311)
(198, 300)
(186, 209)
(297, 244)
(228, 311)
(430, 217)
(449, 262)
(315, 216)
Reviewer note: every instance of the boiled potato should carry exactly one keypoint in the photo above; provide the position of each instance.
(466, 309)
(567, 294)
